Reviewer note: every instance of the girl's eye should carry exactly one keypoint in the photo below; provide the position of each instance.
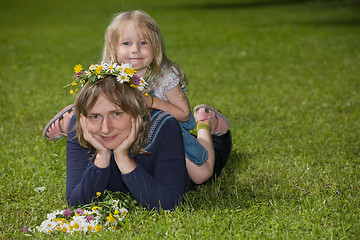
(143, 43)
(126, 43)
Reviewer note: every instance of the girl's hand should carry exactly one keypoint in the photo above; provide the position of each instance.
(102, 154)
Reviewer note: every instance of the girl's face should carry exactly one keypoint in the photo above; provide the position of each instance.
(134, 49)
(108, 123)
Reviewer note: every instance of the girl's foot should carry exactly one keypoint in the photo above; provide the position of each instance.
(219, 123)
(57, 127)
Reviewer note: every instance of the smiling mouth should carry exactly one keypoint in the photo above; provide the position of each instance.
(108, 138)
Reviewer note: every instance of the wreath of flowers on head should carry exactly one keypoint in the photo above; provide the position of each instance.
(124, 73)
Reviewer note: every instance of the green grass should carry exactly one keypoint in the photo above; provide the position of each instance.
(286, 73)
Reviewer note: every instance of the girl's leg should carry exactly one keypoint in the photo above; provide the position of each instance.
(200, 174)
(57, 127)
(209, 121)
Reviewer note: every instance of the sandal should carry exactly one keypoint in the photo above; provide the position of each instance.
(219, 123)
(57, 127)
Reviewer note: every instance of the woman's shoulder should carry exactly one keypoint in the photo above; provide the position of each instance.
(159, 118)
(162, 124)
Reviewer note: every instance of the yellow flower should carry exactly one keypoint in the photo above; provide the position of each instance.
(78, 68)
(130, 71)
(74, 84)
(98, 194)
(71, 91)
(76, 226)
(64, 229)
(110, 218)
(90, 228)
(96, 207)
(116, 212)
(97, 228)
(98, 70)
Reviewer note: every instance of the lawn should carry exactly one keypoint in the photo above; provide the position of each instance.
(286, 73)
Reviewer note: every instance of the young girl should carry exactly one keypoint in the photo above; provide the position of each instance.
(134, 37)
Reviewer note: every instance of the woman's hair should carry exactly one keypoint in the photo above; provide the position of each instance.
(129, 99)
(161, 64)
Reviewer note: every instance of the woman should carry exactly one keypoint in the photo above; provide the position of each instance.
(115, 143)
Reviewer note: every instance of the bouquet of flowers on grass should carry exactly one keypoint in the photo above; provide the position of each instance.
(107, 214)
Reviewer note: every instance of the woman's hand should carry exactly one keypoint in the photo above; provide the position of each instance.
(103, 155)
(121, 153)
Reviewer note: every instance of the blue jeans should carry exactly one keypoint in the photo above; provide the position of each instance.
(194, 151)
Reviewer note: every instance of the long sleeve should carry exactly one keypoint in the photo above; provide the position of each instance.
(83, 178)
(159, 180)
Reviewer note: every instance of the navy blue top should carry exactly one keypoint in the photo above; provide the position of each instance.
(159, 179)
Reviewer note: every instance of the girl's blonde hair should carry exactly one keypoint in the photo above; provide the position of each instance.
(161, 64)
(129, 99)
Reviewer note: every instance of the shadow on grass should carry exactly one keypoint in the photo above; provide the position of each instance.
(232, 189)
(330, 22)
(243, 5)
(261, 4)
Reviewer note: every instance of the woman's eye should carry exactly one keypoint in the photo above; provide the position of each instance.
(94, 117)
(117, 114)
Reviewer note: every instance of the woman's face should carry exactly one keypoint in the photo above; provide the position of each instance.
(134, 49)
(108, 124)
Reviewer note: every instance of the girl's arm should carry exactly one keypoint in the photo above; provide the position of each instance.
(178, 105)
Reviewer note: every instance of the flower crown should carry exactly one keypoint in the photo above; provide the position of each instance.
(124, 73)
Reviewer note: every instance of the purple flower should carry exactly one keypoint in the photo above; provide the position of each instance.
(24, 229)
(79, 211)
(135, 80)
(67, 212)
(76, 75)
(89, 218)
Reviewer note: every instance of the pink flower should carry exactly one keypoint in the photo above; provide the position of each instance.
(135, 80)
(24, 229)
(89, 218)
(79, 211)
(67, 213)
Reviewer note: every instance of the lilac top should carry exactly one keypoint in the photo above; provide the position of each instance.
(168, 82)
(159, 179)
